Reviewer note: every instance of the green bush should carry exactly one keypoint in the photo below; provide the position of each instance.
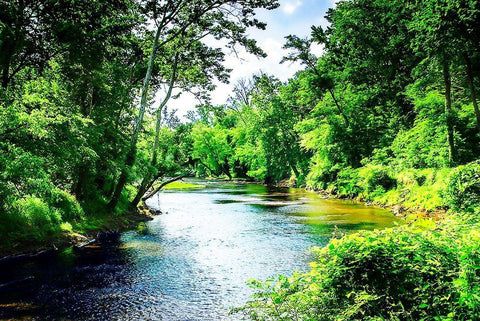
(418, 189)
(468, 282)
(67, 204)
(376, 179)
(37, 212)
(463, 188)
(347, 183)
(393, 274)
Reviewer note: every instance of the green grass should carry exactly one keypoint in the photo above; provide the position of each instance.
(182, 185)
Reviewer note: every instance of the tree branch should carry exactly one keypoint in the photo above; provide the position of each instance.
(163, 184)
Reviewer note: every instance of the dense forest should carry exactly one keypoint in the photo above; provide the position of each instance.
(388, 114)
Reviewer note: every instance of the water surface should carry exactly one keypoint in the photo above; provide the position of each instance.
(190, 263)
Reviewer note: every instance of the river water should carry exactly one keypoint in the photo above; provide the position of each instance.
(190, 263)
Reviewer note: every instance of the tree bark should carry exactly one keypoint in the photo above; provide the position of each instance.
(448, 112)
(153, 163)
(82, 172)
(226, 170)
(131, 154)
(473, 94)
(294, 169)
(332, 94)
(81, 179)
(7, 49)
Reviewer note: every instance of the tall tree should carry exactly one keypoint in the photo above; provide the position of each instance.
(224, 19)
(436, 27)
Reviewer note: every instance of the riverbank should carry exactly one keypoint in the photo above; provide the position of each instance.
(399, 209)
(426, 192)
(426, 268)
(406, 212)
(66, 239)
(410, 272)
(408, 195)
(86, 230)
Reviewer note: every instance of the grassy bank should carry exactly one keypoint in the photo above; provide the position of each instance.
(424, 270)
(58, 220)
(35, 225)
(417, 190)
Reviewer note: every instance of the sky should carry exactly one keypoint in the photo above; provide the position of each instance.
(292, 17)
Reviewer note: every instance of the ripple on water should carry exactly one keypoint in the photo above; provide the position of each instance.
(189, 264)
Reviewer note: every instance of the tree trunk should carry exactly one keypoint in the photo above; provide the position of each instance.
(155, 191)
(81, 179)
(448, 112)
(153, 162)
(471, 81)
(5, 78)
(111, 188)
(340, 109)
(131, 154)
(332, 94)
(226, 171)
(83, 166)
(294, 169)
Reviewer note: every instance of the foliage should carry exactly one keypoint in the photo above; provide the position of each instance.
(387, 114)
(210, 146)
(403, 273)
(70, 77)
(376, 179)
(463, 189)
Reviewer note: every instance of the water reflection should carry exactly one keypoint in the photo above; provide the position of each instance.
(189, 264)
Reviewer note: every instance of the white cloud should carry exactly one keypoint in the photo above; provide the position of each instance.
(317, 49)
(295, 17)
(289, 7)
(334, 3)
(243, 66)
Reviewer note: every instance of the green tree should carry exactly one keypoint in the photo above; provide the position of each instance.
(221, 18)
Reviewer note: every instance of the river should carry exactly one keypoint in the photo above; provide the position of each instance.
(190, 263)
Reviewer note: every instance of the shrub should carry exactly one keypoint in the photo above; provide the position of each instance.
(347, 183)
(376, 179)
(463, 187)
(393, 274)
(67, 204)
(468, 282)
(37, 212)
(31, 218)
(424, 189)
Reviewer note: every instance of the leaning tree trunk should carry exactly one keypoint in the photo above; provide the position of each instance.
(448, 112)
(156, 190)
(473, 94)
(294, 169)
(332, 94)
(153, 162)
(340, 109)
(132, 150)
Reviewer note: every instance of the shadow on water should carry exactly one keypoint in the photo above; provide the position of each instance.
(48, 287)
(189, 264)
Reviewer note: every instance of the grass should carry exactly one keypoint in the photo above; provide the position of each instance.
(182, 185)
